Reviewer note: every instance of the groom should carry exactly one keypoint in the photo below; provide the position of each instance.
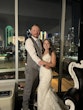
(34, 54)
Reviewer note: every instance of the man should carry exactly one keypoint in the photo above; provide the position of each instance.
(34, 54)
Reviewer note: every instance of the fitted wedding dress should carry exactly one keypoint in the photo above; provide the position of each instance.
(47, 100)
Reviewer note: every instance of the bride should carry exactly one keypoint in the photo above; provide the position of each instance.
(47, 100)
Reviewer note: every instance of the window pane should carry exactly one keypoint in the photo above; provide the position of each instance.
(7, 47)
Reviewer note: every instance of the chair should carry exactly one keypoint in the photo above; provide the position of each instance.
(74, 96)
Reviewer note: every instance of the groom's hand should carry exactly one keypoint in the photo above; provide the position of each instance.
(41, 63)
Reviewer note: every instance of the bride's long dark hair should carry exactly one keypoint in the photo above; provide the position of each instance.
(51, 49)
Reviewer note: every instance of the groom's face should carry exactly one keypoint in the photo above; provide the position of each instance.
(35, 31)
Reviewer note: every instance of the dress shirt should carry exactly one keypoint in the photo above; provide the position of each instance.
(29, 46)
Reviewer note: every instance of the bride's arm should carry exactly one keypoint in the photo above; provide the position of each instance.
(53, 61)
(49, 64)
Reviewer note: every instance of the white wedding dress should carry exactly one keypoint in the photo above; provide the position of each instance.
(47, 100)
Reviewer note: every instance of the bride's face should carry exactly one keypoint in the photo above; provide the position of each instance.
(46, 45)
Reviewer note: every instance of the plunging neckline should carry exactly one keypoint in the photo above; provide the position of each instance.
(45, 54)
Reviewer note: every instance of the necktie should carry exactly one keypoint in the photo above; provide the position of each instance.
(38, 43)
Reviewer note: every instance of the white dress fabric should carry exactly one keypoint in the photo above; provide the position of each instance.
(47, 100)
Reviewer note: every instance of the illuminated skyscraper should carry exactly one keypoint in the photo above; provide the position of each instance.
(9, 32)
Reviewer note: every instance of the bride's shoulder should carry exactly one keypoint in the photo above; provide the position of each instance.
(53, 54)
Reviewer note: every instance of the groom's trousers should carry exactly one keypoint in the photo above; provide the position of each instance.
(31, 83)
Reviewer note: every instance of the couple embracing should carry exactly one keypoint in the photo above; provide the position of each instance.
(38, 73)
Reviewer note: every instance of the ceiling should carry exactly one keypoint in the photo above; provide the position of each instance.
(41, 12)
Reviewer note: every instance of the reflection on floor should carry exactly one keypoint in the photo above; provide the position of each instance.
(65, 85)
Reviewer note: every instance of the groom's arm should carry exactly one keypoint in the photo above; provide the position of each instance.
(29, 46)
(43, 63)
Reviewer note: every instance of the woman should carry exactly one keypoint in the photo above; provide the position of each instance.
(47, 100)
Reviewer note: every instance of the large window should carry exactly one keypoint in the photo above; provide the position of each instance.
(7, 46)
(13, 32)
